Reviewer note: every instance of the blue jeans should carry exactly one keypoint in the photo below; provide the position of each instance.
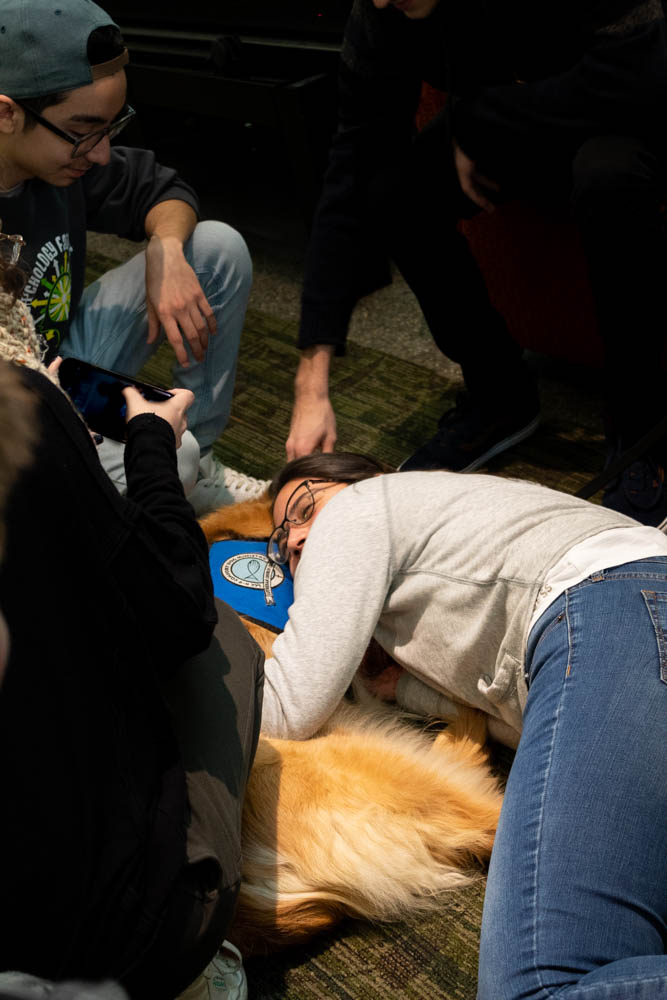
(576, 902)
(110, 328)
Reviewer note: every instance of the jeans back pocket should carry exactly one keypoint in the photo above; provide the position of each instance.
(656, 602)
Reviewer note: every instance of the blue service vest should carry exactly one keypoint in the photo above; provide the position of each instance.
(245, 579)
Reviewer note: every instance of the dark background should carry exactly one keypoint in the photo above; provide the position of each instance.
(240, 96)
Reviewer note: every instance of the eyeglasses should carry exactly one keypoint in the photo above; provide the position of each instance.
(17, 243)
(299, 509)
(84, 143)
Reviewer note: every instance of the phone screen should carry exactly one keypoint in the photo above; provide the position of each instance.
(97, 395)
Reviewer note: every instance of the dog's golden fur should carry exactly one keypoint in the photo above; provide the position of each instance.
(371, 818)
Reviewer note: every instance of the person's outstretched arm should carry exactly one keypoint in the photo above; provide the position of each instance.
(379, 87)
(313, 425)
(341, 585)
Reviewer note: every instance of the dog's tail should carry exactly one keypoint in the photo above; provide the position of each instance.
(468, 732)
(265, 922)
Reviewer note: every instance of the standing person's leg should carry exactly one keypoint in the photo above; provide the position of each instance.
(501, 406)
(110, 329)
(619, 188)
(436, 261)
(215, 700)
(576, 903)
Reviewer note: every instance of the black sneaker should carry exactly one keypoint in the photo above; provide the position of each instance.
(639, 491)
(468, 436)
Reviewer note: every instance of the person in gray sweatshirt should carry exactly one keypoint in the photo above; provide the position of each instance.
(549, 614)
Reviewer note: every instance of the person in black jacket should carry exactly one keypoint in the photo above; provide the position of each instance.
(549, 102)
(129, 708)
(62, 99)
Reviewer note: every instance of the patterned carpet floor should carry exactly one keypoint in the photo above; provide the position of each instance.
(386, 406)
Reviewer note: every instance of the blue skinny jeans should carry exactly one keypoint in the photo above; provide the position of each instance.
(576, 903)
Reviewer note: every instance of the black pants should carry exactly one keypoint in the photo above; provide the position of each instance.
(613, 184)
(215, 700)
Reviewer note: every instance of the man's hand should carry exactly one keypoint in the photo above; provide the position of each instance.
(172, 410)
(313, 426)
(474, 184)
(175, 300)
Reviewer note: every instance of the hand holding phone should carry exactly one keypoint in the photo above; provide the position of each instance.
(172, 410)
(98, 395)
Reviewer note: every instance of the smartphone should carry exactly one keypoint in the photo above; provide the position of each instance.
(98, 396)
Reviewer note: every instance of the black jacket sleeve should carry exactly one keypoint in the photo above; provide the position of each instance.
(133, 568)
(379, 86)
(119, 195)
(164, 565)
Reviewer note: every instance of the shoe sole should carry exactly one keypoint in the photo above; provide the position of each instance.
(499, 446)
(503, 445)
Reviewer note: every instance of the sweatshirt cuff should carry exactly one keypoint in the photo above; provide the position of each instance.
(152, 422)
(415, 696)
(325, 324)
(150, 453)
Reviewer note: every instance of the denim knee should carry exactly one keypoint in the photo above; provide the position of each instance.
(111, 455)
(215, 247)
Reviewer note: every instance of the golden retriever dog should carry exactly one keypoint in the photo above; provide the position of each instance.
(370, 818)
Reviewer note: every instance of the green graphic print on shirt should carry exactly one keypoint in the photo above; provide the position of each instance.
(48, 292)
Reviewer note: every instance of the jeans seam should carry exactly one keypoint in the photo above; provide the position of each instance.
(604, 576)
(548, 629)
(577, 990)
(534, 931)
(634, 576)
(219, 294)
(651, 598)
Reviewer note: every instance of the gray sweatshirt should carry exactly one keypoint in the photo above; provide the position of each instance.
(443, 570)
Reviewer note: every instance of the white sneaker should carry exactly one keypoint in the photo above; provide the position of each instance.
(243, 487)
(218, 486)
(222, 979)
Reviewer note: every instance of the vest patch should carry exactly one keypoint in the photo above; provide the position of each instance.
(245, 579)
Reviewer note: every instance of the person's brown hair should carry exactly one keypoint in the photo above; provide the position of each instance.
(338, 466)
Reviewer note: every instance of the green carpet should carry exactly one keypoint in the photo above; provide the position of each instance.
(432, 958)
(385, 407)
(424, 958)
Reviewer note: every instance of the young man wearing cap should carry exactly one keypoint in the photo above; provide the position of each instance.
(556, 102)
(62, 98)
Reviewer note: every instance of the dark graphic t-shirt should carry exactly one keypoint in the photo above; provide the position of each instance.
(53, 221)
